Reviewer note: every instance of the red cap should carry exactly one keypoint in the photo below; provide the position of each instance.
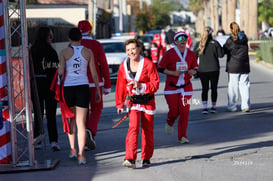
(85, 27)
(180, 33)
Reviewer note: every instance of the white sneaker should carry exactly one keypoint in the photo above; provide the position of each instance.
(55, 146)
(168, 129)
(129, 163)
(184, 140)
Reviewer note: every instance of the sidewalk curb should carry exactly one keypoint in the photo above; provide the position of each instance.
(265, 64)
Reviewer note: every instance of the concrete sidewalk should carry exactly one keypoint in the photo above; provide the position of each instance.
(224, 146)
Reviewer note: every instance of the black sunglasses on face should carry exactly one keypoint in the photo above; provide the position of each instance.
(184, 38)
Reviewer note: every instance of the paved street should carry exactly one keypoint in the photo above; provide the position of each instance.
(224, 146)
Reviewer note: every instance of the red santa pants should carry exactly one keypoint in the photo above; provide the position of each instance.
(96, 108)
(178, 106)
(147, 135)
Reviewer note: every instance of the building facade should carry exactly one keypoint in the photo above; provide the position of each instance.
(220, 13)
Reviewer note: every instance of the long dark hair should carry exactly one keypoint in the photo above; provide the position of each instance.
(41, 38)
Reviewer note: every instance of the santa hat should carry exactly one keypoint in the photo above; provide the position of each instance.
(156, 36)
(180, 33)
(85, 27)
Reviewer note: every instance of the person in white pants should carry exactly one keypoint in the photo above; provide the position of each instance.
(238, 68)
(238, 82)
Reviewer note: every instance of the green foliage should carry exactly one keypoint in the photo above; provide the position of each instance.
(161, 10)
(145, 21)
(265, 11)
(157, 15)
(265, 52)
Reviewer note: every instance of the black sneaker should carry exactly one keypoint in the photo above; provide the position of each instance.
(205, 111)
(129, 163)
(146, 163)
(213, 110)
(90, 143)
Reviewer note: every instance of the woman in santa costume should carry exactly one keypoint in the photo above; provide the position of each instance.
(104, 81)
(179, 64)
(136, 84)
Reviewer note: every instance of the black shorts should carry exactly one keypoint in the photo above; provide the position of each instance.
(77, 96)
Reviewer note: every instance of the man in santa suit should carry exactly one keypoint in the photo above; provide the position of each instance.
(179, 64)
(104, 81)
(137, 83)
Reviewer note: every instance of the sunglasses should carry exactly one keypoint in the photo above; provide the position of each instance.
(180, 38)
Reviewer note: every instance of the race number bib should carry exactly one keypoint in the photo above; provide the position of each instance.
(180, 66)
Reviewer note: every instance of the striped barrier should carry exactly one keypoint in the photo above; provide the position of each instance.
(5, 125)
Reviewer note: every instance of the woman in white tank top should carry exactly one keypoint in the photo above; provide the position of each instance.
(74, 61)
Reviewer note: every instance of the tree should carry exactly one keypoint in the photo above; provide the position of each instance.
(161, 10)
(265, 11)
(145, 20)
(157, 15)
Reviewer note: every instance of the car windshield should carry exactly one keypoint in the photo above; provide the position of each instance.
(113, 47)
(154, 31)
(146, 38)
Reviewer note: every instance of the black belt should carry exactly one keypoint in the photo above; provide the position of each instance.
(180, 86)
(141, 99)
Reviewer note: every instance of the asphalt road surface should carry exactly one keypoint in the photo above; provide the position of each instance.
(223, 146)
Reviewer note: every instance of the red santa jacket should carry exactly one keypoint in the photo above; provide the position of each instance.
(147, 75)
(100, 62)
(157, 40)
(171, 59)
(57, 87)
(189, 41)
(154, 54)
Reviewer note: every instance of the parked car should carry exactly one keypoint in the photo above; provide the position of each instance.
(268, 33)
(115, 54)
(147, 40)
(158, 31)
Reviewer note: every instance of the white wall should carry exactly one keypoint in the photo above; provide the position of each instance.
(63, 15)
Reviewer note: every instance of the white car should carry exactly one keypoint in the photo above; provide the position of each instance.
(268, 33)
(115, 54)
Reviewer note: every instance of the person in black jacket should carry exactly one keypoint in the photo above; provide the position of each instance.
(209, 68)
(238, 69)
(169, 37)
(45, 61)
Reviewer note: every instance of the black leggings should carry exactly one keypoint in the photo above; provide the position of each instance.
(212, 78)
